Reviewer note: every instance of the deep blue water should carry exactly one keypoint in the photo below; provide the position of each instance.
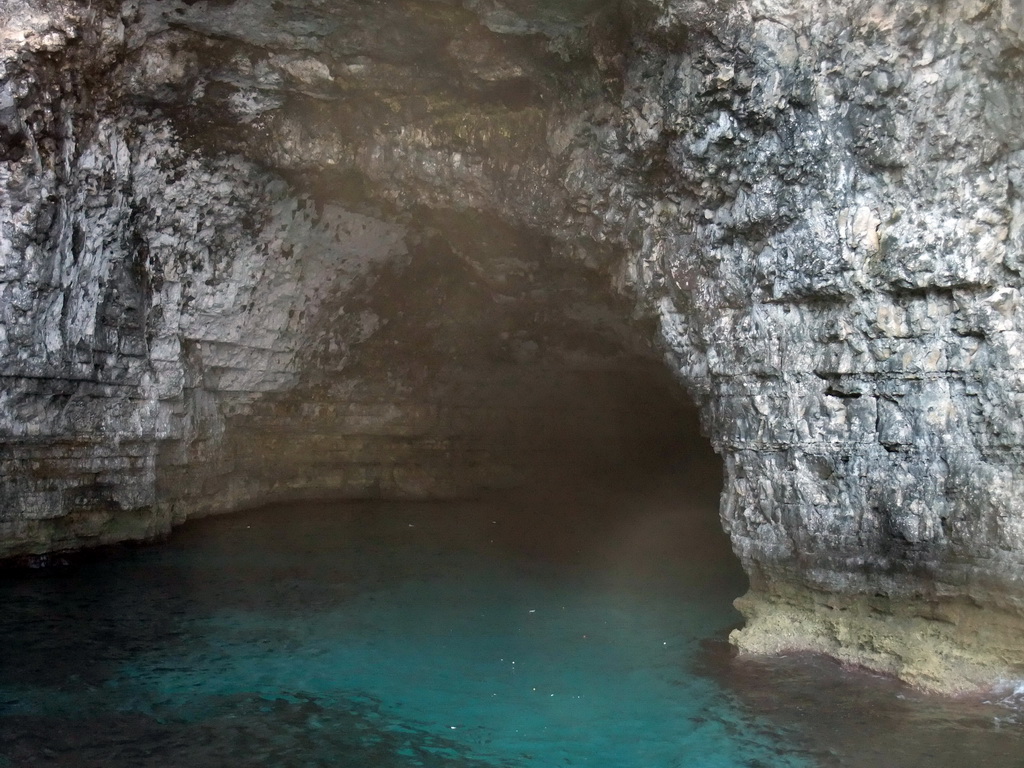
(547, 632)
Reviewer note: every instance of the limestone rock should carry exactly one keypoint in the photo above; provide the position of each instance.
(209, 210)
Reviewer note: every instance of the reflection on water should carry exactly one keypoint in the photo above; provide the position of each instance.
(554, 631)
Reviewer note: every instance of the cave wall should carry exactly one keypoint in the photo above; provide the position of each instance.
(834, 238)
(201, 312)
(147, 293)
(214, 213)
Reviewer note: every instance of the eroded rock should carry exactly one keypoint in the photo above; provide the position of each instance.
(209, 210)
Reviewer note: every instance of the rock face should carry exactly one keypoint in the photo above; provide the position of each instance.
(236, 267)
(262, 249)
(843, 292)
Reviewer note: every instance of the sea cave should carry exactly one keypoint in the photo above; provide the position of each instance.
(511, 382)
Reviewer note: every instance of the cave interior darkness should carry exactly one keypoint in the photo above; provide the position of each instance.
(321, 251)
(498, 369)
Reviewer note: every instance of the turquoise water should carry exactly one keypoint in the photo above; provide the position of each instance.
(545, 632)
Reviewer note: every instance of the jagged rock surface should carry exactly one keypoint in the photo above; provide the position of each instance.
(214, 212)
(839, 280)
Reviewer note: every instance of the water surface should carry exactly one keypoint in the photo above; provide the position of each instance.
(560, 630)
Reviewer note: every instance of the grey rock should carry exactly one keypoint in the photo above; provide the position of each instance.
(209, 210)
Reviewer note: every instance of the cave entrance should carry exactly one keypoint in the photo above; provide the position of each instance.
(487, 364)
